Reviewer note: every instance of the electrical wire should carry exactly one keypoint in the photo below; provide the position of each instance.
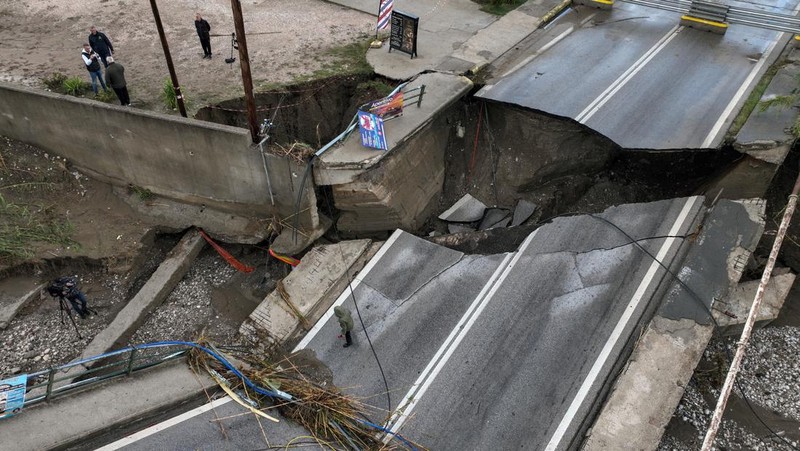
(694, 296)
(358, 311)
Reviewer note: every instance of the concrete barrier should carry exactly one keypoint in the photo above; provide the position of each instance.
(190, 161)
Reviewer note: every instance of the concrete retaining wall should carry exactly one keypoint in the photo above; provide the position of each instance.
(183, 159)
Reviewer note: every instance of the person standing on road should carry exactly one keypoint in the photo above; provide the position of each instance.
(100, 44)
(115, 77)
(203, 30)
(345, 322)
(92, 61)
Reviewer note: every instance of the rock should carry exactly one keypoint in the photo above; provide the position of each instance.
(522, 212)
(466, 209)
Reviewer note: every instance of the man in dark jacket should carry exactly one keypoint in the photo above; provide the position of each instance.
(345, 322)
(101, 44)
(203, 30)
(115, 77)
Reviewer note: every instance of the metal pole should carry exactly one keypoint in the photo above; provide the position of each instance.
(50, 377)
(708, 442)
(244, 62)
(131, 358)
(172, 75)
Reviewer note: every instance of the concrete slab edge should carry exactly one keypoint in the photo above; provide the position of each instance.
(11, 311)
(150, 296)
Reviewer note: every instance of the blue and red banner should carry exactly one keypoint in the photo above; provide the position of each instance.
(371, 128)
(385, 14)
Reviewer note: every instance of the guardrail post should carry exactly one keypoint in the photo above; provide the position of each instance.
(50, 377)
(421, 93)
(131, 358)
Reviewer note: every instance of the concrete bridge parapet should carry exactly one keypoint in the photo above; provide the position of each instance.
(397, 188)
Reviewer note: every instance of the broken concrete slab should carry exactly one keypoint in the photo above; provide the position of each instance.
(634, 416)
(739, 301)
(495, 218)
(308, 291)
(650, 387)
(466, 209)
(152, 294)
(523, 211)
(15, 292)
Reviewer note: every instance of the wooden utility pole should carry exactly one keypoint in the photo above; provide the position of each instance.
(244, 61)
(165, 46)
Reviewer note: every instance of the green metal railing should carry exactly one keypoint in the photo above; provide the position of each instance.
(48, 384)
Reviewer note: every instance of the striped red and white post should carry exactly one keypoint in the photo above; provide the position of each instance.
(384, 14)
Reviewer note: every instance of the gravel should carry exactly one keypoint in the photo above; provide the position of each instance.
(769, 378)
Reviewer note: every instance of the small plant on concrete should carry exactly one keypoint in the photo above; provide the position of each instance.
(55, 81)
(169, 96)
(498, 7)
(142, 193)
(783, 102)
(76, 86)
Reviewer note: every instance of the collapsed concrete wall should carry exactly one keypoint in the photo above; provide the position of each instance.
(208, 165)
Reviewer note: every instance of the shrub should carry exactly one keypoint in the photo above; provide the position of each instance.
(169, 97)
(76, 86)
(55, 82)
(106, 96)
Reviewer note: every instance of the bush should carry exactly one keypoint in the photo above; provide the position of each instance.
(169, 97)
(55, 82)
(76, 86)
(106, 96)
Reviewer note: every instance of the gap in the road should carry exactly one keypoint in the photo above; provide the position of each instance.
(560, 165)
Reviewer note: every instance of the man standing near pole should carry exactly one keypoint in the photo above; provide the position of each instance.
(115, 77)
(203, 31)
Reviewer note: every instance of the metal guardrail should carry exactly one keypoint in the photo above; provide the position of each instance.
(48, 384)
(734, 15)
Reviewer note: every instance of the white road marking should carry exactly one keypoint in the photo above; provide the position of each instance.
(156, 428)
(218, 402)
(349, 289)
(450, 344)
(723, 118)
(548, 46)
(580, 396)
(626, 76)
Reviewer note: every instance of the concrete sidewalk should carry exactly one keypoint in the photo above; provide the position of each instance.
(104, 408)
(455, 36)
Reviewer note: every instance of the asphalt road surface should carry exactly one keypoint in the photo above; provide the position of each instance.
(503, 351)
(636, 76)
(481, 351)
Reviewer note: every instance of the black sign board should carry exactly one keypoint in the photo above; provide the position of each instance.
(404, 33)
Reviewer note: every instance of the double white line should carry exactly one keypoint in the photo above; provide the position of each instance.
(454, 339)
(626, 76)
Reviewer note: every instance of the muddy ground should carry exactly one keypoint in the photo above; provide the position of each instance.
(44, 36)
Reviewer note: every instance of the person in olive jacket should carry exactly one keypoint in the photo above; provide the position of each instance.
(115, 77)
(346, 323)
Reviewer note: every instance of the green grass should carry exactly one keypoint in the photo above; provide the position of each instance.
(350, 59)
(76, 86)
(170, 98)
(55, 82)
(753, 100)
(21, 227)
(375, 86)
(142, 193)
(499, 7)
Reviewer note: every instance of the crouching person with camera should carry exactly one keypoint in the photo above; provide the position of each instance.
(67, 288)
